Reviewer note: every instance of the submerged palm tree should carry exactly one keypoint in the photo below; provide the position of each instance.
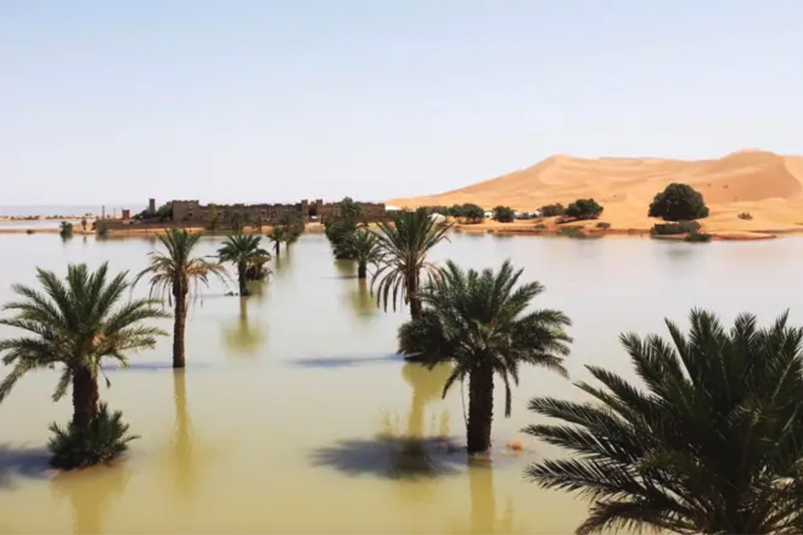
(477, 320)
(77, 324)
(404, 242)
(172, 272)
(243, 250)
(363, 246)
(712, 444)
(277, 236)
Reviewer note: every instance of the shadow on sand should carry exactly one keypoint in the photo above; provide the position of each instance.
(22, 463)
(344, 362)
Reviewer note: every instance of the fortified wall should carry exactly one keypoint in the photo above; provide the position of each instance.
(191, 212)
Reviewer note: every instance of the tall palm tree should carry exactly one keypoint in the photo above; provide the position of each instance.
(712, 442)
(478, 321)
(277, 236)
(404, 242)
(363, 247)
(172, 272)
(77, 323)
(243, 250)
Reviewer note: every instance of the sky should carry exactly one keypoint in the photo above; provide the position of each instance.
(260, 101)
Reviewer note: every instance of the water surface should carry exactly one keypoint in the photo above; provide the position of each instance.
(295, 416)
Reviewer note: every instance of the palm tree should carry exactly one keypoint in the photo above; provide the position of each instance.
(83, 224)
(277, 236)
(172, 272)
(363, 246)
(243, 250)
(77, 323)
(478, 321)
(404, 242)
(712, 443)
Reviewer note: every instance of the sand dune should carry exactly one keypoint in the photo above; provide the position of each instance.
(767, 185)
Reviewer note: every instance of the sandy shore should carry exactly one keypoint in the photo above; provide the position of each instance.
(549, 227)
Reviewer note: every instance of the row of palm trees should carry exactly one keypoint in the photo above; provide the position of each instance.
(711, 442)
(82, 321)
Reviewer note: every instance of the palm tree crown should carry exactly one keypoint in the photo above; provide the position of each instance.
(363, 246)
(404, 242)
(478, 321)
(712, 444)
(77, 323)
(243, 250)
(278, 235)
(172, 272)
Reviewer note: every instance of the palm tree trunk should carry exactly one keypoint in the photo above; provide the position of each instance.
(416, 310)
(277, 248)
(480, 409)
(362, 270)
(241, 268)
(85, 396)
(179, 325)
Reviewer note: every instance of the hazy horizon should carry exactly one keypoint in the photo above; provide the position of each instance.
(278, 101)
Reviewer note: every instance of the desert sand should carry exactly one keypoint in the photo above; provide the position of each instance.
(768, 186)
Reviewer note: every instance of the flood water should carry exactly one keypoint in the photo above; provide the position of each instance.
(295, 416)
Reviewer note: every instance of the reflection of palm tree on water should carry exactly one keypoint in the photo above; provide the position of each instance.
(428, 387)
(91, 492)
(243, 338)
(412, 458)
(182, 446)
(483, 517)
(360, 299)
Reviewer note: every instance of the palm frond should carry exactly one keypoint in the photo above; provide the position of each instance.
(709, 444)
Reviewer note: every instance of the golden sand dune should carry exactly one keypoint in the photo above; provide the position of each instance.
(764, 184)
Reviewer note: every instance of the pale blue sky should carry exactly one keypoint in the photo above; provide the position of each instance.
(249, 101)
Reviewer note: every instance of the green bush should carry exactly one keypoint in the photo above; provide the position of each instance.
(540, 226)
(678, 202)
(584, 209)
(672, 229)
(552, 210)
(603, 225)
(570, 231)
(504, 214)
(697, 237)
(66, 229)
(103, 439)
(470, 213)
(746, 215)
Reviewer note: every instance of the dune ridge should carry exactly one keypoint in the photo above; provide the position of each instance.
(766, 185)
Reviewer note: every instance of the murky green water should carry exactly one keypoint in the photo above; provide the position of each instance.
(294, 415)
